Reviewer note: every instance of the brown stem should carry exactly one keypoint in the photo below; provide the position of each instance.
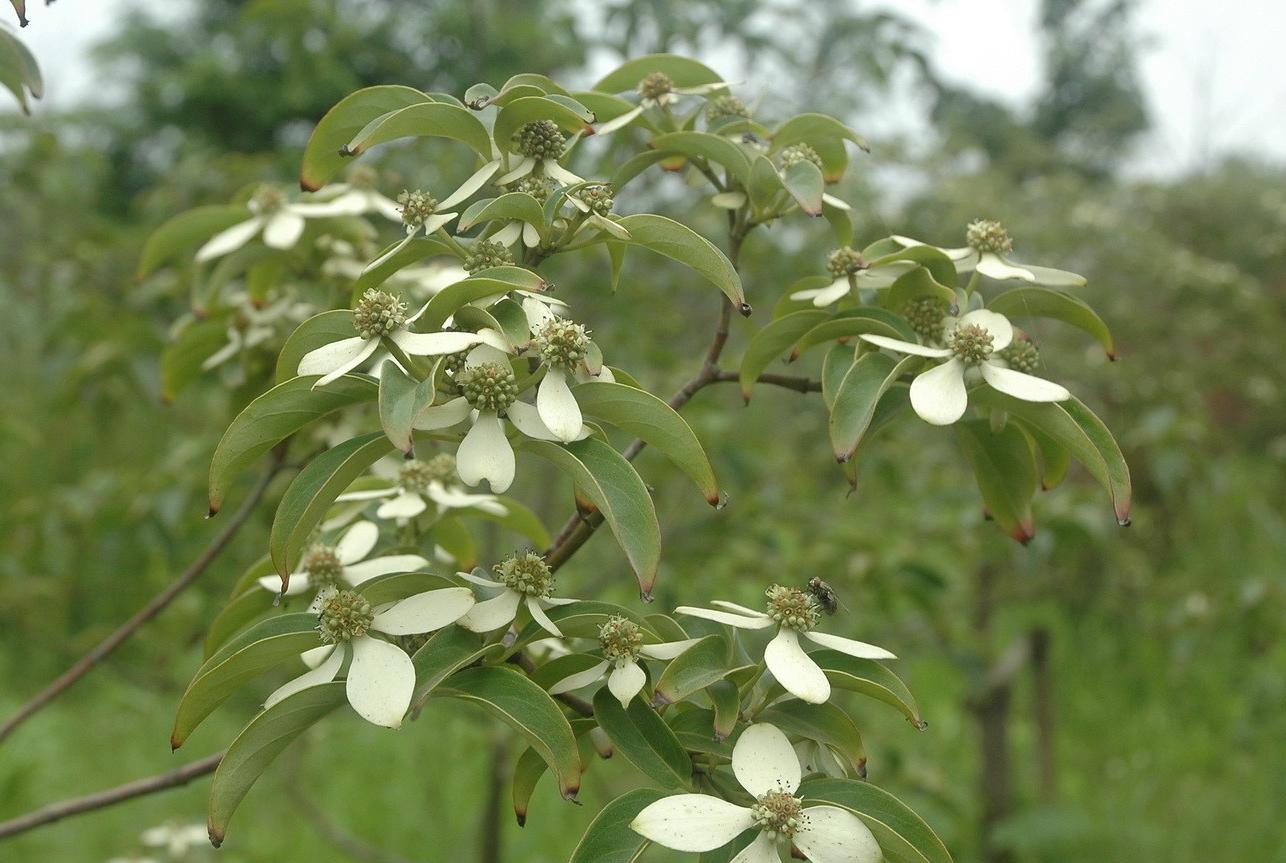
(489, 824)
(1043, 710)
(799, 385)
(102, 799)
(990, 705)
(153, 608)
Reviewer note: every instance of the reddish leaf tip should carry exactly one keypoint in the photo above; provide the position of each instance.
(213, 510)
(216, 835)
(745, 309)
(521, 817)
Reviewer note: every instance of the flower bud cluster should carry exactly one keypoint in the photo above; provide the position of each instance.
(323, 567)
(345, 615)
(539, 139)
(796, 153)
(1022, 355)
(484, 255)
(526, 572)
(656, 85)
(415, 475)
(416, 207)
(620, 638)
(599, 198)
(790, 606)
(925, 315)
(488, 386)
(378, 313)
(845, 262)
(562, 343)
(984, 235)
(970, 343)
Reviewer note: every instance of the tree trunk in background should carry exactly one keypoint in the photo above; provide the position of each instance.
(493, 812)
(1043, 709)
(990, 706)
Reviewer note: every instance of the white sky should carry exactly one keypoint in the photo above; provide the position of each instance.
(1213, 71)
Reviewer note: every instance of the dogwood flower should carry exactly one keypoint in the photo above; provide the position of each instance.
(539, 145)
(359, 196)
(344, 564)
(525, 579)
(850, 272)
(416, 484)
(489, 391)
(987, 247)
(251, 325)
(381, 678)
(596, 202)
(767, 768)
(973, 346)
(421, 213)
(794, 612)
(281, 222)
(656, 90)
(622, 644)
(379, 315)
(176, 839)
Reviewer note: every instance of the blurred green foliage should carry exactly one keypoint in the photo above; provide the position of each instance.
(1169, 702)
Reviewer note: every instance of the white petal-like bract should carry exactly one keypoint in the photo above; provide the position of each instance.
(1029, 388)
(425, 612)
(860, 649)
(381, 681)
(692, 822)
(834, 835)
(485, 453)
(763, 760)
(939, 395)
(794, 669)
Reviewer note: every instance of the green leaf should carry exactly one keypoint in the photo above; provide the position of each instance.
(426, 119)
(1005, 468)
(529, 710)
(643, 738)
(318, 330)
(260, 648)
(527, 772)
(650, 419)
(904, 837)
(512, 206)
(182, 358)
(836, 364)
(259, 743)
(609, 839)
(713, 148)
(312, 492)
(804, 182)
(771, 342)
(1059, 305)
(853, 322)
(869, 678)
(518, 518)
(726, 699)
(940, 267)
(456, 296)
(825, 723)
(19, 72)
(322, 159)
(917, 283)
(682, 71)
(529, 109)
(615, 488)
(1074, 426)
(680, 243)
(413, 252)
(185, 233)
(696, 730)
(247, 605)
(813, 129)
(694, 669)
(401, 400)
(446, 652)
(274, 416)
(634, 166)
(766, 186)
(856, 397)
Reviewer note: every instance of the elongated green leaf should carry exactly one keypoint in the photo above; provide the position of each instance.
(620, 495)
(1046, 303)
(312, 492)
(680, 243)
(1075, 427)
(869, 678)
(527, 772)
(263, 646)
(454, 297)
(274, 416)
(727, 704)
(401, 400)
(183, 235)
(634, 166)
(825, 723)
(695, 668)
(514, 205)
(183, 357)
(425, 119)
(318, 330)
(814, 129)
(773, 341)
(1005, 468)
(322, 159)
(259, 743)
(918, 283)
(904, 837)
(804, 182)
(19, 73)
(530, 109)
(609, 839)
(529, 710)
(446, 652)
(650, 419)
(766, 189)
(682, 71)
(940, 267)
(714, 148)
(856, 397)
(835, 366)
(696, 730)
(249, 604)
(853, 322)
(643, 738)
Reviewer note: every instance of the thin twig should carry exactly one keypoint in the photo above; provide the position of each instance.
(158, 603)
(339, 838)
(102, 799)
(799, 385)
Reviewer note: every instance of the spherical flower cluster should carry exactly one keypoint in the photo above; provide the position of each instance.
(538, 187)
(790, 606)
(970, 343)
(925, 315)
(488, 386)
(656, 85)
(323, 567)
(621, 639)
(345, 615)
(778, 813)
(539, 139)
(267, 198)
(562, 343)
(416, 207)
(526, 573)
(415, 475)
(378, 313)
(796, 153)
(1022, 355)
(726, 105)
(485, 254)
(599, 198)
(985, 235)
(845, 261)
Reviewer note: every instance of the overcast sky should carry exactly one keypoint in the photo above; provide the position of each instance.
(1214, 73)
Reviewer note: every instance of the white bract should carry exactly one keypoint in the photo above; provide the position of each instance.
(281, 223)
(622, 644)
(765, 765)
(176, 839)
(850, 273)
(252, 325)
(379, 315)
(657, 90)
(415, 484)
(359, 196)
(987, 250)
(939, 395)
(524, 579)
(489, 390)
(794, 612)
(343, 564)
(381, 678)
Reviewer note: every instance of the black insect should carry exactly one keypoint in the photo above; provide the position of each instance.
(824, 595)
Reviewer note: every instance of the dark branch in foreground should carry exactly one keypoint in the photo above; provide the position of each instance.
(153, 608)
(102, 799)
